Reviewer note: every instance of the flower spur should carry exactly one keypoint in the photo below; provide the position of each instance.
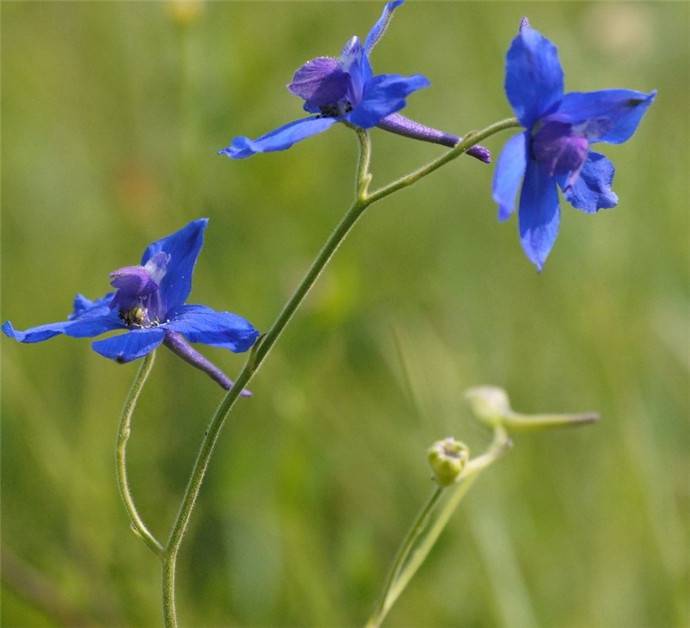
(149, 302)
(346, 90)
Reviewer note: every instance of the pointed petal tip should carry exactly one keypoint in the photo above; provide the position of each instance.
(524, 23)
(8, 330)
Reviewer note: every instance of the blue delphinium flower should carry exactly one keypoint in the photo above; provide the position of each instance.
(149, 302)
(346, 90)
(555, 150)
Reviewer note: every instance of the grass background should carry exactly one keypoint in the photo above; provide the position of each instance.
(111, 116)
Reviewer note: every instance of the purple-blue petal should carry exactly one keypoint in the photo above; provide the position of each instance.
(592, 191)
(534, 77)
(610, 115)
(278, 139)
(320, 82)
(202, 324)
(384, 94)
(355, 62)
(86, 307)
(130, 346)
(539, 213)
(381, 25)
(510, 170)
(183, 249)
(34, 334)
(90, 326)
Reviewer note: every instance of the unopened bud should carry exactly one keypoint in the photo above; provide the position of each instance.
(447, 458)
(489, 403)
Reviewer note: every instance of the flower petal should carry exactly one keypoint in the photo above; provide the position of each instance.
(86, 307)
(384, 94)
(355, 62)
(90, 326)
(278, 139)
(130, 346)
(510, 170)
(320, 82)
(534, 78)
(539, 213)
(381, 25)
(199, 323)
(592, 189)
(183, 248)
(34, 334)
(609, 115)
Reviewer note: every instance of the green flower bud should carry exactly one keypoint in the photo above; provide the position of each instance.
(447, 458)
(489, 403)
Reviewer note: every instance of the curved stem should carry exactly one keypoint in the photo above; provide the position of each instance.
(413, 551)
(472, 138)
(123, 433)
(266, 342)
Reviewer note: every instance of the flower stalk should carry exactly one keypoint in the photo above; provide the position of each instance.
(123, 433)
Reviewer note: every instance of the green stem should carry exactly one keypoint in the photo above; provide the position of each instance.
(266, 342)
(420, 523)
(472, 138)
(123, 433)
(413, 551)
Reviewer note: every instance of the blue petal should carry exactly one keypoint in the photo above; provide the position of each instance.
(86, 307)
(355, 62)
(592, 189)
(130, 346)
(539, 213)
(534, 78)
(199, 323)
(385, 94)
(83, 310)
(278, 139)
(183, 248)
(90, 326)
(510, 170)
(381, 25)
(320, 82)
(610, 115)
(34, 334)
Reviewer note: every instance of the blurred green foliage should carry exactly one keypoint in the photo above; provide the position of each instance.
(111, 116)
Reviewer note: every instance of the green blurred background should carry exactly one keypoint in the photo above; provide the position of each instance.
(112, 115)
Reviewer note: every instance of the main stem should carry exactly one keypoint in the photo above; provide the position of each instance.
(264, 345)
(123, 434)
(255, 360)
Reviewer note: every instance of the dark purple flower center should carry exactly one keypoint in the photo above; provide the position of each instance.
(559, 147)
(138, 299)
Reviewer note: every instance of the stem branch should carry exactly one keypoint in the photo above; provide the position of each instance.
(123, 432)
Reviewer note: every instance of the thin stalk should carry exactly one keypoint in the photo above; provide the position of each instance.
(403, 553)
(472, 138)
(413, 551)
(266, 342)
(123, 433)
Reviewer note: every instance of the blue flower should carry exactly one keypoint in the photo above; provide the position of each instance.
(346, 90)
(149, 302)
(554, 151)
